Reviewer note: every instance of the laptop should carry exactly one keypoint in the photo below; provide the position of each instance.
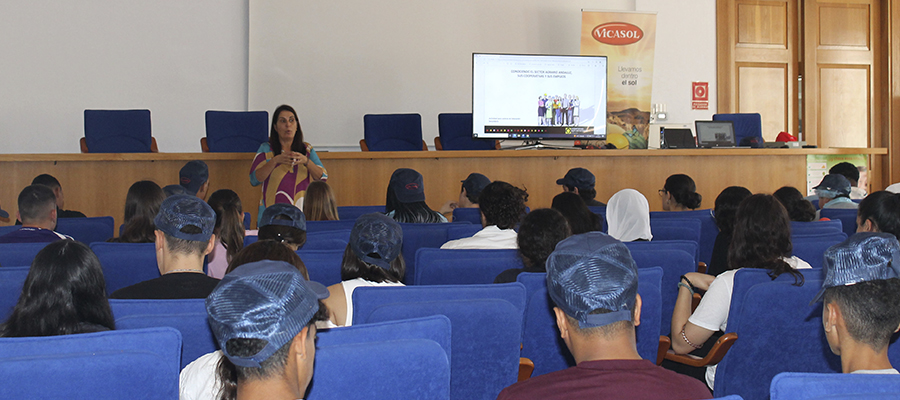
(677, 138)
(712, 134)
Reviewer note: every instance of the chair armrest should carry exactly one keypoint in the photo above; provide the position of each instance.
(362, 145)
(526, 368)
(84, 148)
(496, 145)
(713, 357)
(695, 301)
(437, 143)
(424, 146)
(153, 148)
(664, 345)
(203, 145)
(701, 267)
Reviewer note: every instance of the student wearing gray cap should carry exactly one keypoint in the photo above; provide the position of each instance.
(861, 292)
(593, 280)
(834, 192)
(184, 236)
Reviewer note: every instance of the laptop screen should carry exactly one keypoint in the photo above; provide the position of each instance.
(678, 138)
(715, 133)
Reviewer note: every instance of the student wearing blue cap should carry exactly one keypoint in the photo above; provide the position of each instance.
(581, 182)
(405, 199)
(283, 223)
(468, 193)
(194, 178)
(593, 280)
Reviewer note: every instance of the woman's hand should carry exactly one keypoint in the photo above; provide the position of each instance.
(700, 281)
(284, 158)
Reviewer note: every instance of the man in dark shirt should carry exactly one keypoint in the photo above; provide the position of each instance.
(52, 183)
(38, 213)
(581, 181)
(184, 235)
(593, 280)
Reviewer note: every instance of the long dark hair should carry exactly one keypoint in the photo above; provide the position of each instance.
(267, 250)
(64, 293)
(539, 233)
(352, 267)
(581, 219)
(141, 206)
(683, 190)
(229, 220)
(726, 206)
(798, 208)
(883, 209)
(416, 212)
(762, 237)
(275, 143)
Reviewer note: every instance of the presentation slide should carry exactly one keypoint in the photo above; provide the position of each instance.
(539, 96)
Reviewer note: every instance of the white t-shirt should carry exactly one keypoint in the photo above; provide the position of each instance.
(712, 312)
(351, 285)
(889, 371)
(490, 237)
(198, 380)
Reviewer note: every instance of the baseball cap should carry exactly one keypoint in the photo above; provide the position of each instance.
(592, 271)
(172, 190)
(295, 217)
(181, 210)
(193, 175)
(474, 183)
(833, 185)
(267, 300)
(407, 185)
(865, 256)
(578, 177)
(376, 239)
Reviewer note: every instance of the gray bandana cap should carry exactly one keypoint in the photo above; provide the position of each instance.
(376, 239)
(865, 256)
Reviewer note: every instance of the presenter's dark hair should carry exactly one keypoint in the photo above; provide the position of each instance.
(798, 208)
(581, 219)
(229, 220)
(64, 293)
(415, 212)
(883, 209)
(762, 237)
(727, 203)
(141, 206)
(352, 267)
(502, 204)
(275, 144)
(539, 233)
(683, 190)
(35, 202)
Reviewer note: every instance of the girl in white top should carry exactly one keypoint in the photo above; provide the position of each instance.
(628, 216)
(372, 258)
(762, 239)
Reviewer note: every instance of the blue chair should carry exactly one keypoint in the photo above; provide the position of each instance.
(117, 131)
(188, 316)
(87, 230)
(846, 216)
(9, 228)
(327, 226)
(459, 231)
(815, 227)
(392, 132)
(235, 131)
(246, 221)
(19, 254)
(674, 264)
(322, 240)
(435, 328)
(708, 228)
(353, 212)
(487, 328)
(11, 281)
(687, 246)
(463, 267)
(125, 264)
(455, 132)
(471, 215)
(811, 247)
(599, 210)
(417, 236)
(812, 386)
(324, 266)
(675, 229)
(122, 364)
(745, 125)
(542, 343)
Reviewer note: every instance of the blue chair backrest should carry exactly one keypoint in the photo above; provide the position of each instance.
(674, 263)
(811, 247)
(121, 364)
(812, 386)
(599, 210)
(471, 215)
(455, 131)
(9, 228)
(117, 131)
(815, 227)
(462, 267)
(687, 246)
(487, 325)
(324, 266)
(745, 125)
(353, 212)
(542, 343)
(19, 254)
(417, 236)
(327, 226)
(236, 131)
(321, 240)
(708, 228)
(11, 281)
(188, 316)
(846, 216)
(125, 264)
(675, 229)
(87, 230)
(393, 132)
(435, 328)
(246, 222)
(459, 231)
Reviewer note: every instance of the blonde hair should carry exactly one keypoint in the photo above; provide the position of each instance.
(320, 204)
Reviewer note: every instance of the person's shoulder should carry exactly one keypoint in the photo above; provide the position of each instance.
(71, 214)
(140, 290)
(535, 387)
(264, 148)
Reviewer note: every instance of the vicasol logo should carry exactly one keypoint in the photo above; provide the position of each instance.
(617, 33)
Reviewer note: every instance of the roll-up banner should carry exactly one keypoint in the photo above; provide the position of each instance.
(628, 39)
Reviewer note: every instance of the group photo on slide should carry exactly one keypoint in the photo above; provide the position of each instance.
(558, 110)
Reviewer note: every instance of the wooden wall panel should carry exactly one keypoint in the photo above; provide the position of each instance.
(762, 23)
(773, 102)
(844, 25)
(845, 106)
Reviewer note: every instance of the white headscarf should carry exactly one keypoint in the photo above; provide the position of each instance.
(628, 216)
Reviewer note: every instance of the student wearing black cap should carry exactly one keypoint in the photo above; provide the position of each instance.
(468, 193)
(406, 198)
(581, 181)
(194, 178)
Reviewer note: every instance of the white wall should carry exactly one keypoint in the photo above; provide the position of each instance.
(176, 58)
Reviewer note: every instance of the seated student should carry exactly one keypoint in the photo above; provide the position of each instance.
(229, 230)
(727, 204)
(680, 194)
(194, 178)
(64, 293)
(406, 198)
(468, 194)
(852, 173)
(539, 233)
(141, 206)
(283, 223)
(581, 182)
(799, 209)
(581, 219)
(593, 281)
(51, 182)
(184, 236)
(320, 204)
(502, 207)
(372, 258)
(38, 213)
(263, 317)
(628, 216)
(834, 192)
(861, 292)
(879, 212)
